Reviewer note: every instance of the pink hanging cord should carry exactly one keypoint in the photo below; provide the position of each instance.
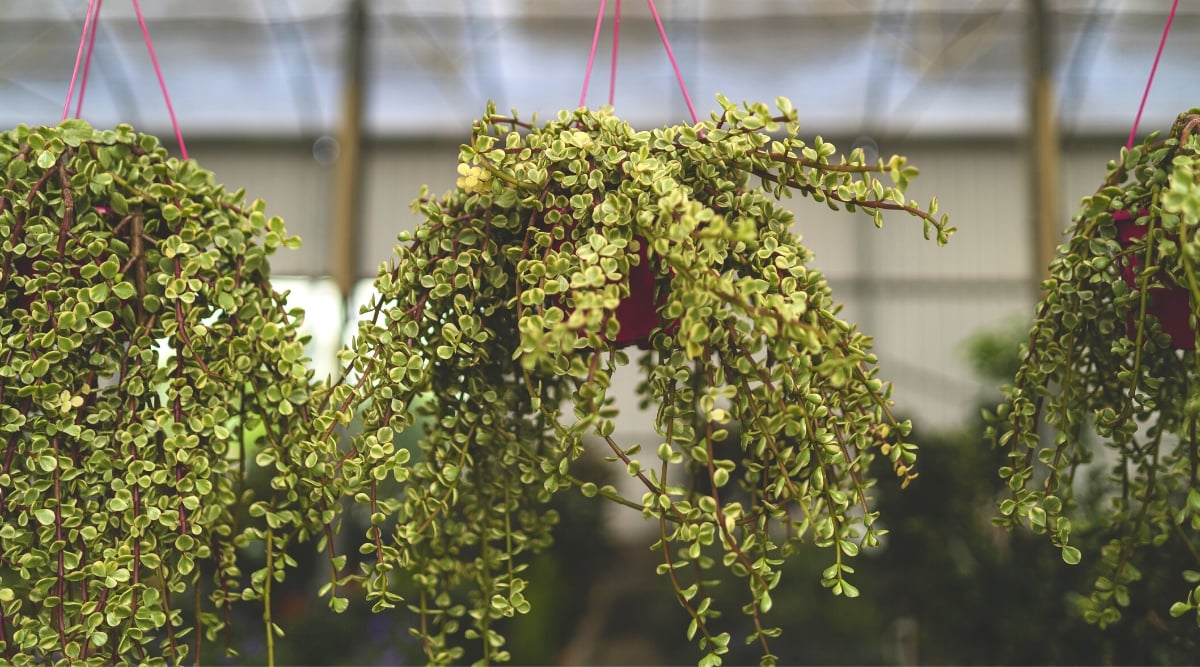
(674, 65)
(88, 39)
(1153, 69)
(587, 75)
(87, 60)
(83, 38)
(612, 76)
(161, 82)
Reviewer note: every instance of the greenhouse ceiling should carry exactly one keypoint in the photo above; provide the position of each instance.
(276, 68)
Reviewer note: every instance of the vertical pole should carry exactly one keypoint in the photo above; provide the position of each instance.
(347, 184)
(1045, 153)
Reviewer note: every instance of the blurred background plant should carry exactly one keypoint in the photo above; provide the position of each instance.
(946, 587)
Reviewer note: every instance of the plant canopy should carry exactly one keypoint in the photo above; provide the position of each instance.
(494, 323)
(1102, 384)
(147, 368)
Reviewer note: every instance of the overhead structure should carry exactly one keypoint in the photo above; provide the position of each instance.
(347, 184)
(1044, 146)
(272, 68)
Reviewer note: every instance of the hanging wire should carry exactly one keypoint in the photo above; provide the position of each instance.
(612, 76)
(123, 95)
(488, 79)
(674, 65)
(87, 41)
(87, 60)
(881, 66)
(83, 38)
(587, 74)
(918, 96)
(161, 82)
(447, 60)
(1153, 69)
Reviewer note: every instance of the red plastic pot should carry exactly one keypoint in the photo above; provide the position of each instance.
(638, 312)
(1169, 304)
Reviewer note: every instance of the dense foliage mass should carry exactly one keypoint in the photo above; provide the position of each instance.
(147, 367)
(1110, 380)
(502, 312)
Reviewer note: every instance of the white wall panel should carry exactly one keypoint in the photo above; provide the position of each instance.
(295, 187)
(393, 175)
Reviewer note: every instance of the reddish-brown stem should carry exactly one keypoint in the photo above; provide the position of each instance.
(199, 635)
(68, 218)
(76, 458)
(60, 585)
(376, 532)
(8, 648)
(333, 571)
(509, 121)
(119, 228)
(139, 258)
(415, 309)
(166, 603)
(684, 602)
(768, 436)
(41, 182)
(882, 204)
(130, 414)
(18, 228)
(19, 156)
(177, 402)
(101, 602)
(730, 541)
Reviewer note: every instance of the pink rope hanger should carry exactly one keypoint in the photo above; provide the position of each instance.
(88, 38)
(88, 20)
(616, 33)
(1153, 69)
(87, 62)
(674, 65)
(612, 75)
(587, 74)
(162, 84)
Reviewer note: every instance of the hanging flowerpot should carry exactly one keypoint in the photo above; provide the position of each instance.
(1169, 304)
(149, 374)
(638, 314)
(154, 391)
(1110, 373)
(504, 309)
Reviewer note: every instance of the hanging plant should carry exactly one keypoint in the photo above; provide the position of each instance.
(502, 309)
(147, 367)
(1110, 376)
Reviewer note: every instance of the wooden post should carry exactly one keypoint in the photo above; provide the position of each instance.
(1045, 156)
(347, 186)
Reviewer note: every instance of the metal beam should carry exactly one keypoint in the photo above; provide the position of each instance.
(347, 184)
(1045, 151)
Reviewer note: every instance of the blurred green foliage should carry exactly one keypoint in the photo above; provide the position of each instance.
(946, 587)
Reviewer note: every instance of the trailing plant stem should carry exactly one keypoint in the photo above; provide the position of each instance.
(669, 562)
(267, 622)
(60, 585)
